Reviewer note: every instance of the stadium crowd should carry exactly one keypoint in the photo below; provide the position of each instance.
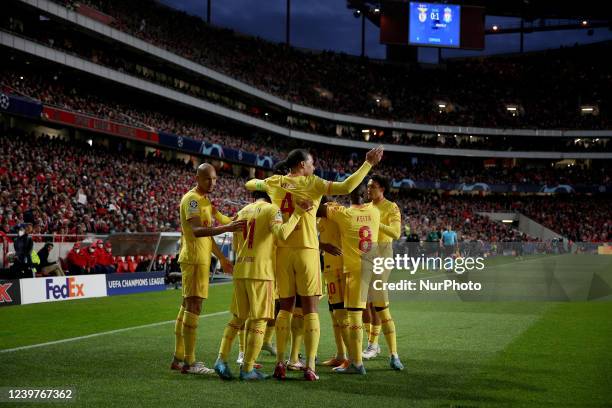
(86, 256)
(547, 98)
(338, 160)
(577, 218)
(67, 40)
(72, 189)
(64, 90)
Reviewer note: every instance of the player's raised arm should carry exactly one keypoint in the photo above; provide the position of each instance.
(282, 230)
(256, 185)
(373, 157)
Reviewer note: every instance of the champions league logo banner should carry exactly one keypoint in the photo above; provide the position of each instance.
(216, 150)
(20, 106)
(561, 188)
(189, 145)
(403, 183)
(474, 187)
(265, 161)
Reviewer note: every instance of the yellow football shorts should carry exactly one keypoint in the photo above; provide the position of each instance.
(195, 279)
(355, 290)
(334, 280)
(253, 299)
(298, 271)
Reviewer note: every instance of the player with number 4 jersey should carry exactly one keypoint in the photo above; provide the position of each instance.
(297, 267)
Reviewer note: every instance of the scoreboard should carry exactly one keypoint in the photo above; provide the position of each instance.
(434, 24)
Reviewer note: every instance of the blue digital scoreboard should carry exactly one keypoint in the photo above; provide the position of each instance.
(437, 25)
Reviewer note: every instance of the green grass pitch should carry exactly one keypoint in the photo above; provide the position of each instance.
(468, 354)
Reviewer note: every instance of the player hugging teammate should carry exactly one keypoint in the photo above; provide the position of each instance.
(277, 248)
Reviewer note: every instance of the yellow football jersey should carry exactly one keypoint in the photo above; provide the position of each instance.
(286, 190)
(255, 245)
(390, 220)
(330, 234)
(195, 250)
(358, 225)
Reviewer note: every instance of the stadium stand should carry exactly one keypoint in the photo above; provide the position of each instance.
(60, 90)
(327, 80)
(75, 189)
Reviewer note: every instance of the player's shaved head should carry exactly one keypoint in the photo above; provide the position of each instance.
(206, 177)
(206, 169)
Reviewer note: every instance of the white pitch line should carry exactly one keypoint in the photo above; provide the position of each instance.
(50, 343)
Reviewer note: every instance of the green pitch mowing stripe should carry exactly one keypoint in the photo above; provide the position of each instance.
(43, 322)
(564, 360)
(468, 354)
(443, 346)
(105, 333)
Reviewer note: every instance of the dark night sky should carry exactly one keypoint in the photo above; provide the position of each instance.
(328, 24)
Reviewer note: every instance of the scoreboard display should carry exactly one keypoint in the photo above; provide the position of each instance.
(432, 24)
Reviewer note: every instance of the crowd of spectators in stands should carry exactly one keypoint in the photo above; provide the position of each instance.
(142, 117)
(340, 160)
(588, 220)
(577, 218)
(71, 189)
(548, 87)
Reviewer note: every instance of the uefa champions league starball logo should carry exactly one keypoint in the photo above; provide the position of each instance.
(4, 101)
(422, 13)
(179, 141)
(448, 15)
